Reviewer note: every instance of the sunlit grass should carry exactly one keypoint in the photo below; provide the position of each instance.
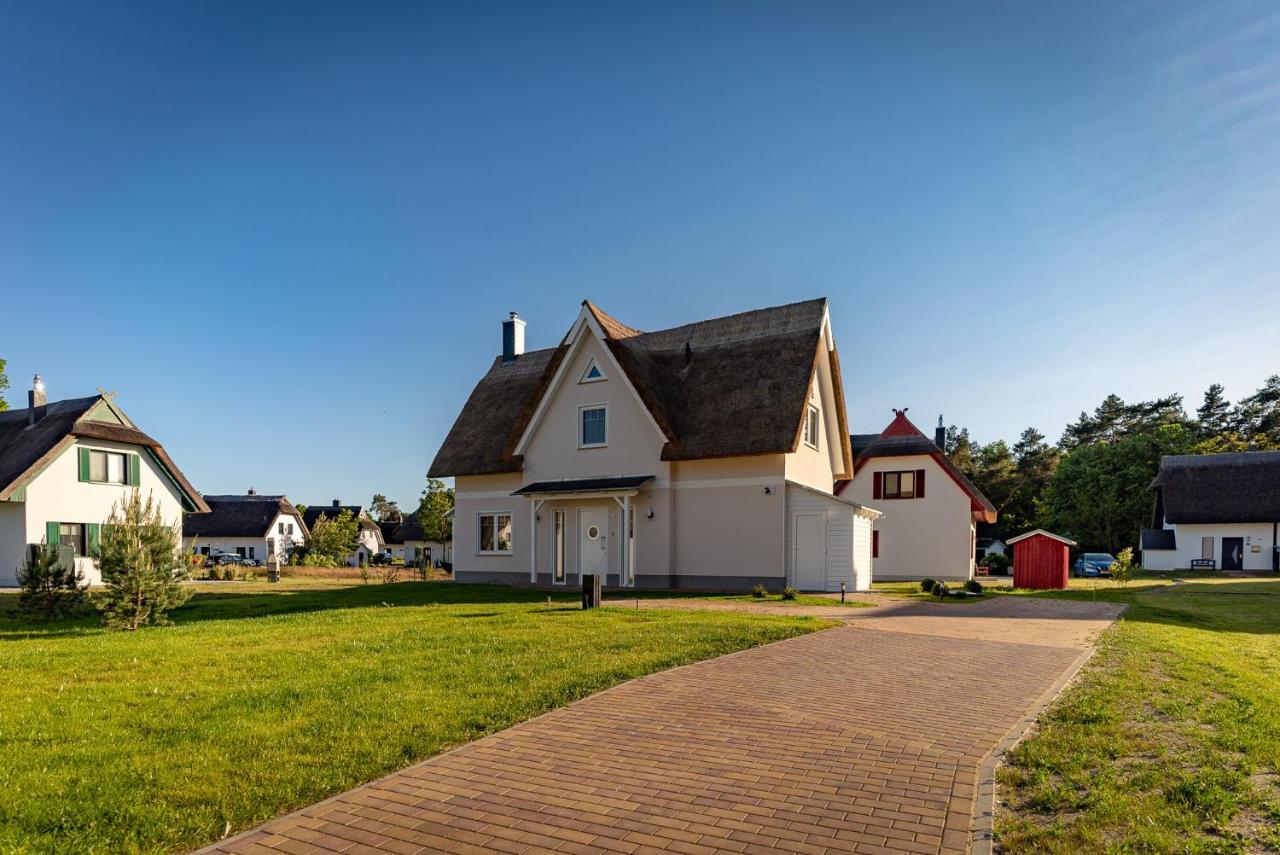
(265, 698)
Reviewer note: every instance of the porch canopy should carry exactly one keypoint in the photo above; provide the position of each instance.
(619, 488)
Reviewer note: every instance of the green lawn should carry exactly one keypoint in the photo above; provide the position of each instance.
(1170, 739)
(911, 591)
(266, 698)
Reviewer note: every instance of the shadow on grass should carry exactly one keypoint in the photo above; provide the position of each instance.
(230, 604)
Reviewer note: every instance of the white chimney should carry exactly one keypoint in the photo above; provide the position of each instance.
(512, 338)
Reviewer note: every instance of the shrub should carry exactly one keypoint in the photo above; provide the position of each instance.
(390, 574)
(759, 592)
(973, 586)
(940, 589)
(141, 565)
(926, 585)
(789, 593)
(997, 564)
(51, 585)
(1122, 567)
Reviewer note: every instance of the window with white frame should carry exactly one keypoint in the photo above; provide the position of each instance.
(1206, 548)
(593, 427)
(811, 423)
(495, 532)
(592, 374)
(107, 467)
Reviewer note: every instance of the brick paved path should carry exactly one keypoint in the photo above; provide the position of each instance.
(852, 739)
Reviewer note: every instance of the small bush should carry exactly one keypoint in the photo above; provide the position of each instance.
(926, 585)
(759, 592)
(51, 585)
(940, 589)
(1122, 567)
(997, 564)
(973, 586)
(790, 593)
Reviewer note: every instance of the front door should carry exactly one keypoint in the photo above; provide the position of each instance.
(593, 541)
(1233, 553)
(810, 536)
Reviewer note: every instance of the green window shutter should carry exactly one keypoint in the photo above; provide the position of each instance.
(135, 470)
(84, 464)
(52, 533)
(93, 540)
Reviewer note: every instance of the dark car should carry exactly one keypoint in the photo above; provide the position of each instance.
(217, 559)
(1093, 564)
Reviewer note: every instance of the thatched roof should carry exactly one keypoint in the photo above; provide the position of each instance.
(315, 512)
(901, 439)
(25, 450)
(239, 516)
(719, 388)
(391, 532)
(1240, 487)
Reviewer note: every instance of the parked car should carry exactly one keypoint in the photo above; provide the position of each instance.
(217, 559)
(1093, 564)
(381, 558)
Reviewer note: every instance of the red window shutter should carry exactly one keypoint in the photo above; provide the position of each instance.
(875, 544)
(877, 485)
(919, 483)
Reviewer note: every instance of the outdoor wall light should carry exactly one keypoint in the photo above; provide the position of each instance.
(649, 515)
(768, 491)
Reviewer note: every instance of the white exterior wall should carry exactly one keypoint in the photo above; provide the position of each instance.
(930, 537)
(1188, 540)
(57, 494)
(259, 545)
(816, 467)
(847, 539)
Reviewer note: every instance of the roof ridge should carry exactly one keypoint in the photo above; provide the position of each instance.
(613, 328)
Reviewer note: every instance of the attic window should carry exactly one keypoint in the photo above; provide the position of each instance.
(593, 373)
(811, 423)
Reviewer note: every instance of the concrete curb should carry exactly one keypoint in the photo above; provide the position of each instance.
(983, 830)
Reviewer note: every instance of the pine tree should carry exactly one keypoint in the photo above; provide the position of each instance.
(1214, 414)
(51, 587)
(141, 566)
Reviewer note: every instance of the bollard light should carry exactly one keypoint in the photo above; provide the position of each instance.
(842, 590)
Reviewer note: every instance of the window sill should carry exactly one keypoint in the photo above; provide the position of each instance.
(505, 553)
(593, 445)
(106, 483)
(808, 444)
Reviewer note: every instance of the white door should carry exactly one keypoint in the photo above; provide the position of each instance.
(810, 552)
(593, 541)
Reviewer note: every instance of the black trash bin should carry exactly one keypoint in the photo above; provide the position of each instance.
(590, 591)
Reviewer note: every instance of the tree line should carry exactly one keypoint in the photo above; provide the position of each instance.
(1093, 484)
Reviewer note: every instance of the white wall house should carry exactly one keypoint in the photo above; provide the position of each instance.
(1216, 510)
(930, 507)
(414, 546)
(699, 457)
(370, 536)
(64, 466)
(251, 526)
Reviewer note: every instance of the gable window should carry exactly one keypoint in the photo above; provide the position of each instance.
(495, 533)
(899, 485)
(592, 374)
(106, 467)
(811, 423)
(593, 429)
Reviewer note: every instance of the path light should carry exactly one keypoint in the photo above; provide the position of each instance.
(842, 590)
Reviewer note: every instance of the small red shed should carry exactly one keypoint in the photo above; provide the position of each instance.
(1040, 560)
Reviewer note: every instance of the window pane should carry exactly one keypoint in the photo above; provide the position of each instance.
(115, 468)
(907, 484)
(891, 485)
(486, 533)
(1206, 547)
(559, 545)
(504, 532)
(593, 426)
(97, 466)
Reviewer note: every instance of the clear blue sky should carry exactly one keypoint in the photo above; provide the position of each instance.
(286, 232)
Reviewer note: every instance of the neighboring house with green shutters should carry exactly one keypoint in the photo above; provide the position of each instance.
(64, 465)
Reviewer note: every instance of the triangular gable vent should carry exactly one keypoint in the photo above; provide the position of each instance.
(593, 373)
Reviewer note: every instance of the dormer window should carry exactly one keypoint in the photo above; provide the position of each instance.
(593, 426)
(592, 374)
(811, 424)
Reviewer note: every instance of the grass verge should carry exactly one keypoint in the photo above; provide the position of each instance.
(266, 698)
(1170, 739)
